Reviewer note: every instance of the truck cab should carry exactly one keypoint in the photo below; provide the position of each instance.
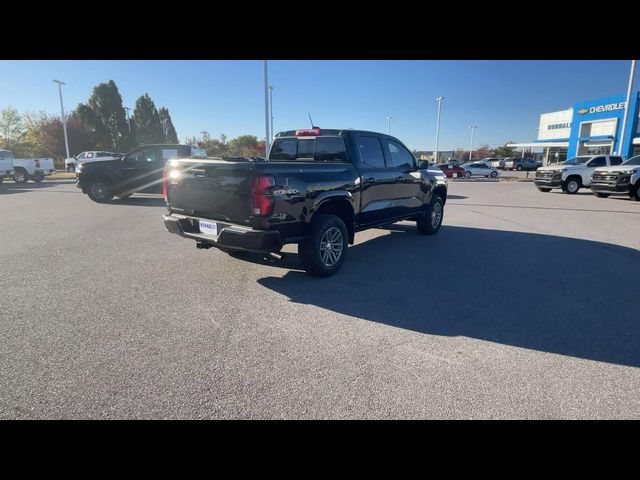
(6, 164)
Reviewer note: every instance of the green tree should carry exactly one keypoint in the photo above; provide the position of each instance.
(244, 145)
(504, 151)
(169, 131)
(147, 121)
(104, 115)
(11, 127)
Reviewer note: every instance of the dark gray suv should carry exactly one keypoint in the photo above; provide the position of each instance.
(512, 163)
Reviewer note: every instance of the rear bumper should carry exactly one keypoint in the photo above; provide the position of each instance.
(230, 236)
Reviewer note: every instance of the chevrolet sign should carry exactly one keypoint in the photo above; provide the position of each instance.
(602, 108)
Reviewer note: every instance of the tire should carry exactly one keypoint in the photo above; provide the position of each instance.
(467, 174)
(519, 168)
(99, 191)
(323, 252)
(635, 192)
(430, 221)
(544, 190)
(494, 174)
(601, 195)
(20, 176)
(71, 169)
(571, 186)
(122, 196)
(37, 178)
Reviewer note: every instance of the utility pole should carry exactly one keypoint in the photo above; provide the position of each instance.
(63, 118)
(435, 153)
(626, 107)
(471, 145)
(128, 119)
(389, 124)
(271, 108)
(267, 138)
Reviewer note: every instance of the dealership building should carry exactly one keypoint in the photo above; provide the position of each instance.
(591, 127)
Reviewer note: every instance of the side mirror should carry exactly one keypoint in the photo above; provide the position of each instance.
(423, 164)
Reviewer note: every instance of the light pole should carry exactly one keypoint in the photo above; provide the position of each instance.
(64, 119)
(435, 153)
(267, 138)
(389, 124)
(128, 119)
(471, 145)
(271, 108)
(626, 105)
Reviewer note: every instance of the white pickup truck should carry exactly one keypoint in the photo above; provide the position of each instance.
(30, 168)
(573, 174)
(618, 180)
(72, 163)
(6, 164)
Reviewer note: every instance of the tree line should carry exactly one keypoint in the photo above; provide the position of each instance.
(99, 124)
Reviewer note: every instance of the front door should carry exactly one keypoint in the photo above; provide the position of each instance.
(378, 181)
(408, 194)
(139, 170)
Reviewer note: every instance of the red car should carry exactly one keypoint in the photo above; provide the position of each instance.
(452, 170)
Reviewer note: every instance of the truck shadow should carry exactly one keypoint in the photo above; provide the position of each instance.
(147, 201)
(9, 188)
(553, 294)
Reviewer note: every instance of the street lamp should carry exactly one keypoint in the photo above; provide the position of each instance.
(271, 108)
(128, 119)
(435, 153)
(64, 119)
(626, 105)
(471, 145)
(267, 137)
(389, 124)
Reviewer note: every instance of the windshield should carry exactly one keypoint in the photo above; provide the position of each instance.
(633, 161)
(6, 154)
(576, 161)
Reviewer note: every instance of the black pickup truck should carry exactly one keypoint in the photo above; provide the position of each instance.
(138, 171)
(317, 188)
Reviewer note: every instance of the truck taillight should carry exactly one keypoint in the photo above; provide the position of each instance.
(165, 191)
(37, 163)
(308, 132)
(261, 199)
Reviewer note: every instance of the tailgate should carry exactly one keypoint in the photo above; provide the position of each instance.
(216, 189)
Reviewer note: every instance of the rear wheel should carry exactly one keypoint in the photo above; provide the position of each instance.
(20, 175)
(99, 191)
(431, 220)
(601, 195)
(635, 192)
(71, 169)
(519, 168)
(323, 252)
(467, 174)
(544, 190)
(494, 174)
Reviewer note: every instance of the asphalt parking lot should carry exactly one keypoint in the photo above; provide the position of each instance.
(525, 305)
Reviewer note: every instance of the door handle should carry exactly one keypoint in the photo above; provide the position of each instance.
(370, 180)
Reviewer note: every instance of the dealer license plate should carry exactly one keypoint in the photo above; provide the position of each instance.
(209, 228)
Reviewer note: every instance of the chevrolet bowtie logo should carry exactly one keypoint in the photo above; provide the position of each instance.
(583, 111)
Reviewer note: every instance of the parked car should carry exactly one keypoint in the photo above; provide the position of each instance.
(480, 169)
(26, 169)
(451, 171)
(6, 164)
(317, 189)
(92, 156)
(513, 163)
(623, 179)
(492, 162)
(574, 173)
(138, 171)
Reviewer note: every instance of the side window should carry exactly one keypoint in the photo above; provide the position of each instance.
(371, 152)
(330, 149)
(400, 156)
(284, 149)
(169, 153)
(142, 156)
(615, 160)
(597, 162)
(89, 155)
(81, 156)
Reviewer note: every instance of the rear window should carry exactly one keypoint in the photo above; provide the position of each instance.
(615, 160)
(320, 149)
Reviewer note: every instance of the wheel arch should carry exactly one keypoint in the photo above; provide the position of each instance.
(340, 206)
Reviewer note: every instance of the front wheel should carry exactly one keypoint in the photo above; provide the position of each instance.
(20, 176)
(601, 195)
(71, 169)
(635, 192)
(430, 221)
(99, 191)
(467, 174)
(571, 186)
(323, 252)
(494, 174)
(37, 178)
(519, 168)
(544, 190)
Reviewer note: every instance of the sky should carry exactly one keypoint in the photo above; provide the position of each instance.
(503, 98)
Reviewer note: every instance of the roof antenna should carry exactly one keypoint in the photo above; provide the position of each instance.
(311, 121)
